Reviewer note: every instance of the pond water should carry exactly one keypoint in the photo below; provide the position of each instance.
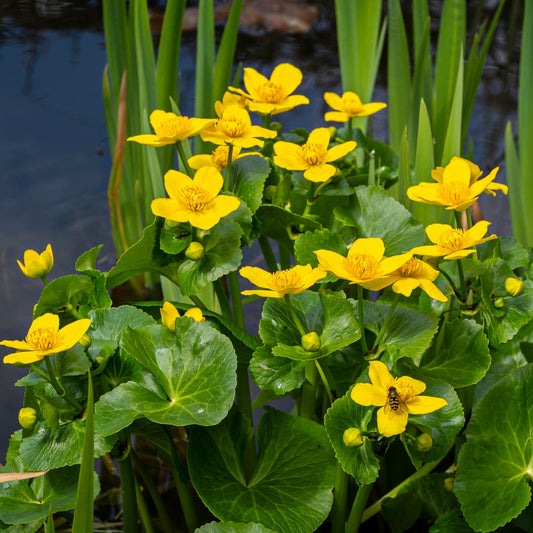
(54, 156)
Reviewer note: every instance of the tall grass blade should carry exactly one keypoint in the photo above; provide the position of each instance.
(452, 141)
(512, 165)
(404, 171)
(84, 511)
(49, 526)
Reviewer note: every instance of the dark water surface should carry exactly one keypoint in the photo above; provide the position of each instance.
(54, 157)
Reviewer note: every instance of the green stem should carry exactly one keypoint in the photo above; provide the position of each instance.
(386, 322)
(223, 300)
(227, 178)
(183, 158)
(51, 378)
(196, 301)
(450, 281)
(127, 486)
(268, 254)
(242, 391)
(350, 129)
(284, 257)
(376, 507)
(361, 318)
(184, 492)
(166, 522)
(144, 513)
(469, 217)
(236, 300)
(359, 503)
(462, 280)
(44, 280)
(307, 405)
(338, 511)
(319, 188)
(324, 381)
(294, 316)
(266, 121)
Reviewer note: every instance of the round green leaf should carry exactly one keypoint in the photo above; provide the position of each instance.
(249, 176)
(194, 378)
(232, 527)
(222, 254)
(175, 239)
(308, 242)
(63, 292)
(290, 489)
(376, 214)
(494, 465)
(361, 463)
(463, 354)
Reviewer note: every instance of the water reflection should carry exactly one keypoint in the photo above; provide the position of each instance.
(53, 148)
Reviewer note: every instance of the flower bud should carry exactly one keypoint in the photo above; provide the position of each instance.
(37, 265)
(269, 192)
(276, 126)
(195, 251)
(424, 442)
(352, 438)
(168, 316)
(171, 223)
(332, 132)
(196, 313)
(514, 286)
(85, 341)
(499, 303)
(27, 417)
(311, 342)
(449, 483)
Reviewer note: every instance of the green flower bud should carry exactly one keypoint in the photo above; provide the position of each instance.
(269, 192)
(514, 286)
(449, 483)
(352, 438)
(332, 132)
(424, 442)
(85, 341)
(276, 126)
(499, 303)
(171, 223)
(27, 417)
(195, 251)
(311, 342)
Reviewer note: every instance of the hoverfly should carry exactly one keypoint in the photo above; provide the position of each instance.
(393, 399)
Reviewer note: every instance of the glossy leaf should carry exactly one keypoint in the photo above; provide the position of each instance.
(308, 242)
(62, 292)
(295, 469)
(232, 527)
(249, 175)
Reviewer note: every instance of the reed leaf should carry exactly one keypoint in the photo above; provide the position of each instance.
(452, 141)
(516, 205)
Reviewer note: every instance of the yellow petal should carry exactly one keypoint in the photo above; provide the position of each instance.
(264, 293)
(150, 140)
(209, 179)
(47, 321)
(391, 422)
(430, 251)
(415, 385)
(252, 80)
(256, 275)
(371, 108)
(288, 156)
(405, 286)
(224, 204)
(457, 171)
(367, 394)
(288, 76)
(195, 313)
(204, 219)
(320, 136)
(372, 246)
(334, 101)
(336, 116)
(168, 208)
(201, 160)
(70, 334)
(169, 313)
(340, 150)
(319, 173)
(23, 358)
(17, 345)
(420, 405)
(477, 231)
(334, 263)
(432, 290)
(390, 264)
(380, 376)
(435, 232)
(174, 181)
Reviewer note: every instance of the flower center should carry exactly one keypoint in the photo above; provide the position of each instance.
(454, 239)
(194, 198)
(404, 390)
(351, 105)
(232, 126)
(219, 156)
(364, 266)
(271, 92)
(42, 339)
(456, 193)
(412, 268)
(313, 153)
(283, 279)
(172, 125)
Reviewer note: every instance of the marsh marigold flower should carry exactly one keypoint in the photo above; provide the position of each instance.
(170, 128)
(169, 313)
(274, 95)
(453, 243)
(218, 158)
(313, 157)
(195, 200)
(416, 273)
(46, 338)
(348, 106)
(455, 186)
(397, 397)
(37, 265)
(235, 127)
(365, 264)
(290, 281)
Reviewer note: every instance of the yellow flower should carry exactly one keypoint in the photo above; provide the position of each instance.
(291, 281)
(27, 417)
(235, 127)
(195, 200)
(453, 243)
(312, 157)
(169, 313)
(170, 128)
(229, 99)
(218, 158)
(274, 95)
(45, 338)
(397, 397)
(349, 105)
(365, 264)
(475, 174)
(416, 273)
(37, 265)
(455, 188)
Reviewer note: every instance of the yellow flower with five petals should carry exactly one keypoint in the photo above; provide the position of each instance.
(37, 265)
(170, 128)
(348, 106)
(454, 187)
(169, 313)
(274, 95)
(218, 158)
(453, 243)
(46, 338)
(290, 281)
(313, 157)
(365, 264)
(195, 200)
(396, 397)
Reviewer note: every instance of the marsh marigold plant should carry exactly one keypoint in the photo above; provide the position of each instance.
(349, 106)
(37, 265)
